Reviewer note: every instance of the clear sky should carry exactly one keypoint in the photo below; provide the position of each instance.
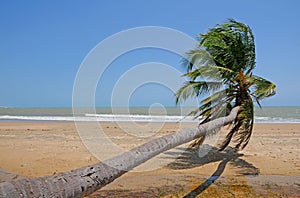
(42, 44)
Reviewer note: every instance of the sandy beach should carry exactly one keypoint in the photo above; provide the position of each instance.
(269, 166)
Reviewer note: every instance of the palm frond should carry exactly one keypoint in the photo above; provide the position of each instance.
(197, 142)
(196, 57)
(241, 130)
(217, 96)
(195, 88)
(231, 45)
(212, 103)
(262, 88)
(229, 136)
(246, 117)
(210, 72)
(219, 110)
(226, 56)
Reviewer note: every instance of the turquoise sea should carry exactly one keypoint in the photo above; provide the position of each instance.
(168, 114)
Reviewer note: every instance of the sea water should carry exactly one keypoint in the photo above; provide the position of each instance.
(136, 114)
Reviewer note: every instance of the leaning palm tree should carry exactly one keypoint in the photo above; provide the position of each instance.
(236, 98)
(222, 64)
(86, 180)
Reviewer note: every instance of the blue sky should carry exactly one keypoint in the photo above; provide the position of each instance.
(44, 42)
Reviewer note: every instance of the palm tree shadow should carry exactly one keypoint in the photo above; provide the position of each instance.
(209, 181)
(191, 158)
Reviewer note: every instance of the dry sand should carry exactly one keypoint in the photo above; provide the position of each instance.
(269, 166)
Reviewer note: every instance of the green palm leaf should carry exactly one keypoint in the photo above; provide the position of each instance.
(196, 57)
(210, 72)
(194, 89)
(263, 88)
(226, 56)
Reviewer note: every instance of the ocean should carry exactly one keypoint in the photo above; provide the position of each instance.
(136, 114)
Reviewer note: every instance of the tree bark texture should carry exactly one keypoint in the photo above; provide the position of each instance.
(86, 180)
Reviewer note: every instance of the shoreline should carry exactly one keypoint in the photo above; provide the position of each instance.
(295, 121)
(33, 149)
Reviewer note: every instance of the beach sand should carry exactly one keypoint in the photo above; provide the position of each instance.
(268, 166)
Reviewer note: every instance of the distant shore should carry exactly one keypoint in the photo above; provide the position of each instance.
(272, 158)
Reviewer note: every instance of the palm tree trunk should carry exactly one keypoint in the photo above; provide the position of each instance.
(86, 180)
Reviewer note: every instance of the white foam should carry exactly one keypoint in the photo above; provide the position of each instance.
(130, 118)
(275, 120)
(103, 118)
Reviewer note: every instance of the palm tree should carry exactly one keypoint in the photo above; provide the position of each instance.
(223, 63)
(86, 180)
(234, 71)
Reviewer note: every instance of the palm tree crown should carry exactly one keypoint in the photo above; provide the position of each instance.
(222, 63)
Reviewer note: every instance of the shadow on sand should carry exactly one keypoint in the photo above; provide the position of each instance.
(191, 158)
